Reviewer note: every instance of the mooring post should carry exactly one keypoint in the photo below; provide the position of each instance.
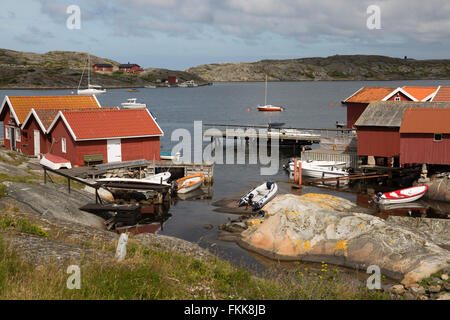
(295, 170)
(299, 173)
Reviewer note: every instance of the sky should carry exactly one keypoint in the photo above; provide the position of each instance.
(178, 34)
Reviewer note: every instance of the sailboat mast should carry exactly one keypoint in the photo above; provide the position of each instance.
(89, 70)
(265, 93)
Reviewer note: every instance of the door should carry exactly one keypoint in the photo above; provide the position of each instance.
(12, 135)
(37, 143)
(114, 148)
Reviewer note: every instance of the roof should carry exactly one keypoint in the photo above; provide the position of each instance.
(103, 65)
(102, 124)
(426, 120)
(443, 95)
(420, 93)
(21, 105)
(128, 65)
(369, 94)
(390, 113)
(45, 117)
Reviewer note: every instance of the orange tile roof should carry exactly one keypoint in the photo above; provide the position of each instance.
(420, 93)
(98, 124)
(23, 104)
(369, 94)
(443, 95)
(426, 120)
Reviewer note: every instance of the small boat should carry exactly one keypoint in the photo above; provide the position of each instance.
(189, 183)
(160, 178)
(169, 156)
(150, 86)
(400, 196)
(268, 107)
(132, 90)
(259, 196)
(306, 164)
(54, 162)
(132, 104)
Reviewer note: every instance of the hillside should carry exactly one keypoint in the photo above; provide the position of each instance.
(338, 67)
(63, 69)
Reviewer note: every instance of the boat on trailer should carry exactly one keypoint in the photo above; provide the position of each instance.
(189, 183)
(259, 196)
(400, 196)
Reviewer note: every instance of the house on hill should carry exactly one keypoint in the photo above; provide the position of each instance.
(113, 136)
(103, 67)
(15, 109)
(130, 68)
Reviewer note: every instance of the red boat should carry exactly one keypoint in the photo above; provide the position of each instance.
(269, 108)
(401, 196)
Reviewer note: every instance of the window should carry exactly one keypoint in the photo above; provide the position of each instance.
(18, 134)
(397, 99)
(63, 145)
(437, 137)
(7, 133)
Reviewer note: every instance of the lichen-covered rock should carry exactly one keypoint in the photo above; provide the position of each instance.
(317, 228)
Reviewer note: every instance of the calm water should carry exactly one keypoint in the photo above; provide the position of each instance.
(307, 105)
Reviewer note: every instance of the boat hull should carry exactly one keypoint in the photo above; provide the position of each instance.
(90, 91)
(401, 196)
(259, 196)
(190, 183)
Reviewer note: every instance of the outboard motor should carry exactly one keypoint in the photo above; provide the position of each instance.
(269, 185)
(174, 186)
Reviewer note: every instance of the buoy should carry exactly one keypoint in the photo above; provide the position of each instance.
(248, 110)
(331, 104)
(72, 92)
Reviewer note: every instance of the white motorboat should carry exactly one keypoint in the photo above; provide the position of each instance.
(169, 156)
(189, 183)
(259, 196)
(92, 88)
(132, 104)
(329, 165)
(150, 86)
(160, 178)
(401, 196)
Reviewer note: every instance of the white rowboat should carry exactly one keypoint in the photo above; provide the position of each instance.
(259, 196)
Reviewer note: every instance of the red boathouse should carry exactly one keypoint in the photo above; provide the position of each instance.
(114, 135)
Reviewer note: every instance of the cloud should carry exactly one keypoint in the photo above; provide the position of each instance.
(305, 21)
(34, 35)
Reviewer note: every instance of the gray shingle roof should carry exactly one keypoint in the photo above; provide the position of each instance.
(390, 113)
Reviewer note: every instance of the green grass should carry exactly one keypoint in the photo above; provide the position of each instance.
(21, 225)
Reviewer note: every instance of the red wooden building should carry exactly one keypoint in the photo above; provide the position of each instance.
(378, 130)
(358, 102)
(116, 135)
(172, 80)
(103, 67)
(130, 68)
(15, 109)
(425, 136)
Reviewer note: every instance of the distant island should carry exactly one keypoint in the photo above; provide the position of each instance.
(63, 69)
(338, 67)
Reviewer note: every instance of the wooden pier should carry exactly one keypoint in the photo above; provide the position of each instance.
(285, 135)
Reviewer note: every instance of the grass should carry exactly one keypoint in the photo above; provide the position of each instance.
(150, 274)
(8, 222)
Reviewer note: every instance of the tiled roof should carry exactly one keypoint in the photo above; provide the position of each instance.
(390, 113)
(425, 120)
(443, 95)
(23, 104)
(369, 94)
(98, 124)
(420, 93)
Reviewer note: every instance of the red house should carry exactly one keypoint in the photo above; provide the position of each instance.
(172, 80)
(15, 109)
(378, 130)
(116, 135)
(130, 68)
(425, 136)
(103, 67)
(357, 102)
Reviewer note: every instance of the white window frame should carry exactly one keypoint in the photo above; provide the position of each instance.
(17, 134)
(7, 133)
(63, 145)
(434, 137)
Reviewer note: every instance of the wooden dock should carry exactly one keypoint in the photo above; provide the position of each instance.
(286, 135)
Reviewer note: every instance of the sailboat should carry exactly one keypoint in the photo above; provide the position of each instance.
(268, 107)
(92, 88)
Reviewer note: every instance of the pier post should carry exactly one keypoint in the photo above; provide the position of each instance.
(295, 170)
(299, 173)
